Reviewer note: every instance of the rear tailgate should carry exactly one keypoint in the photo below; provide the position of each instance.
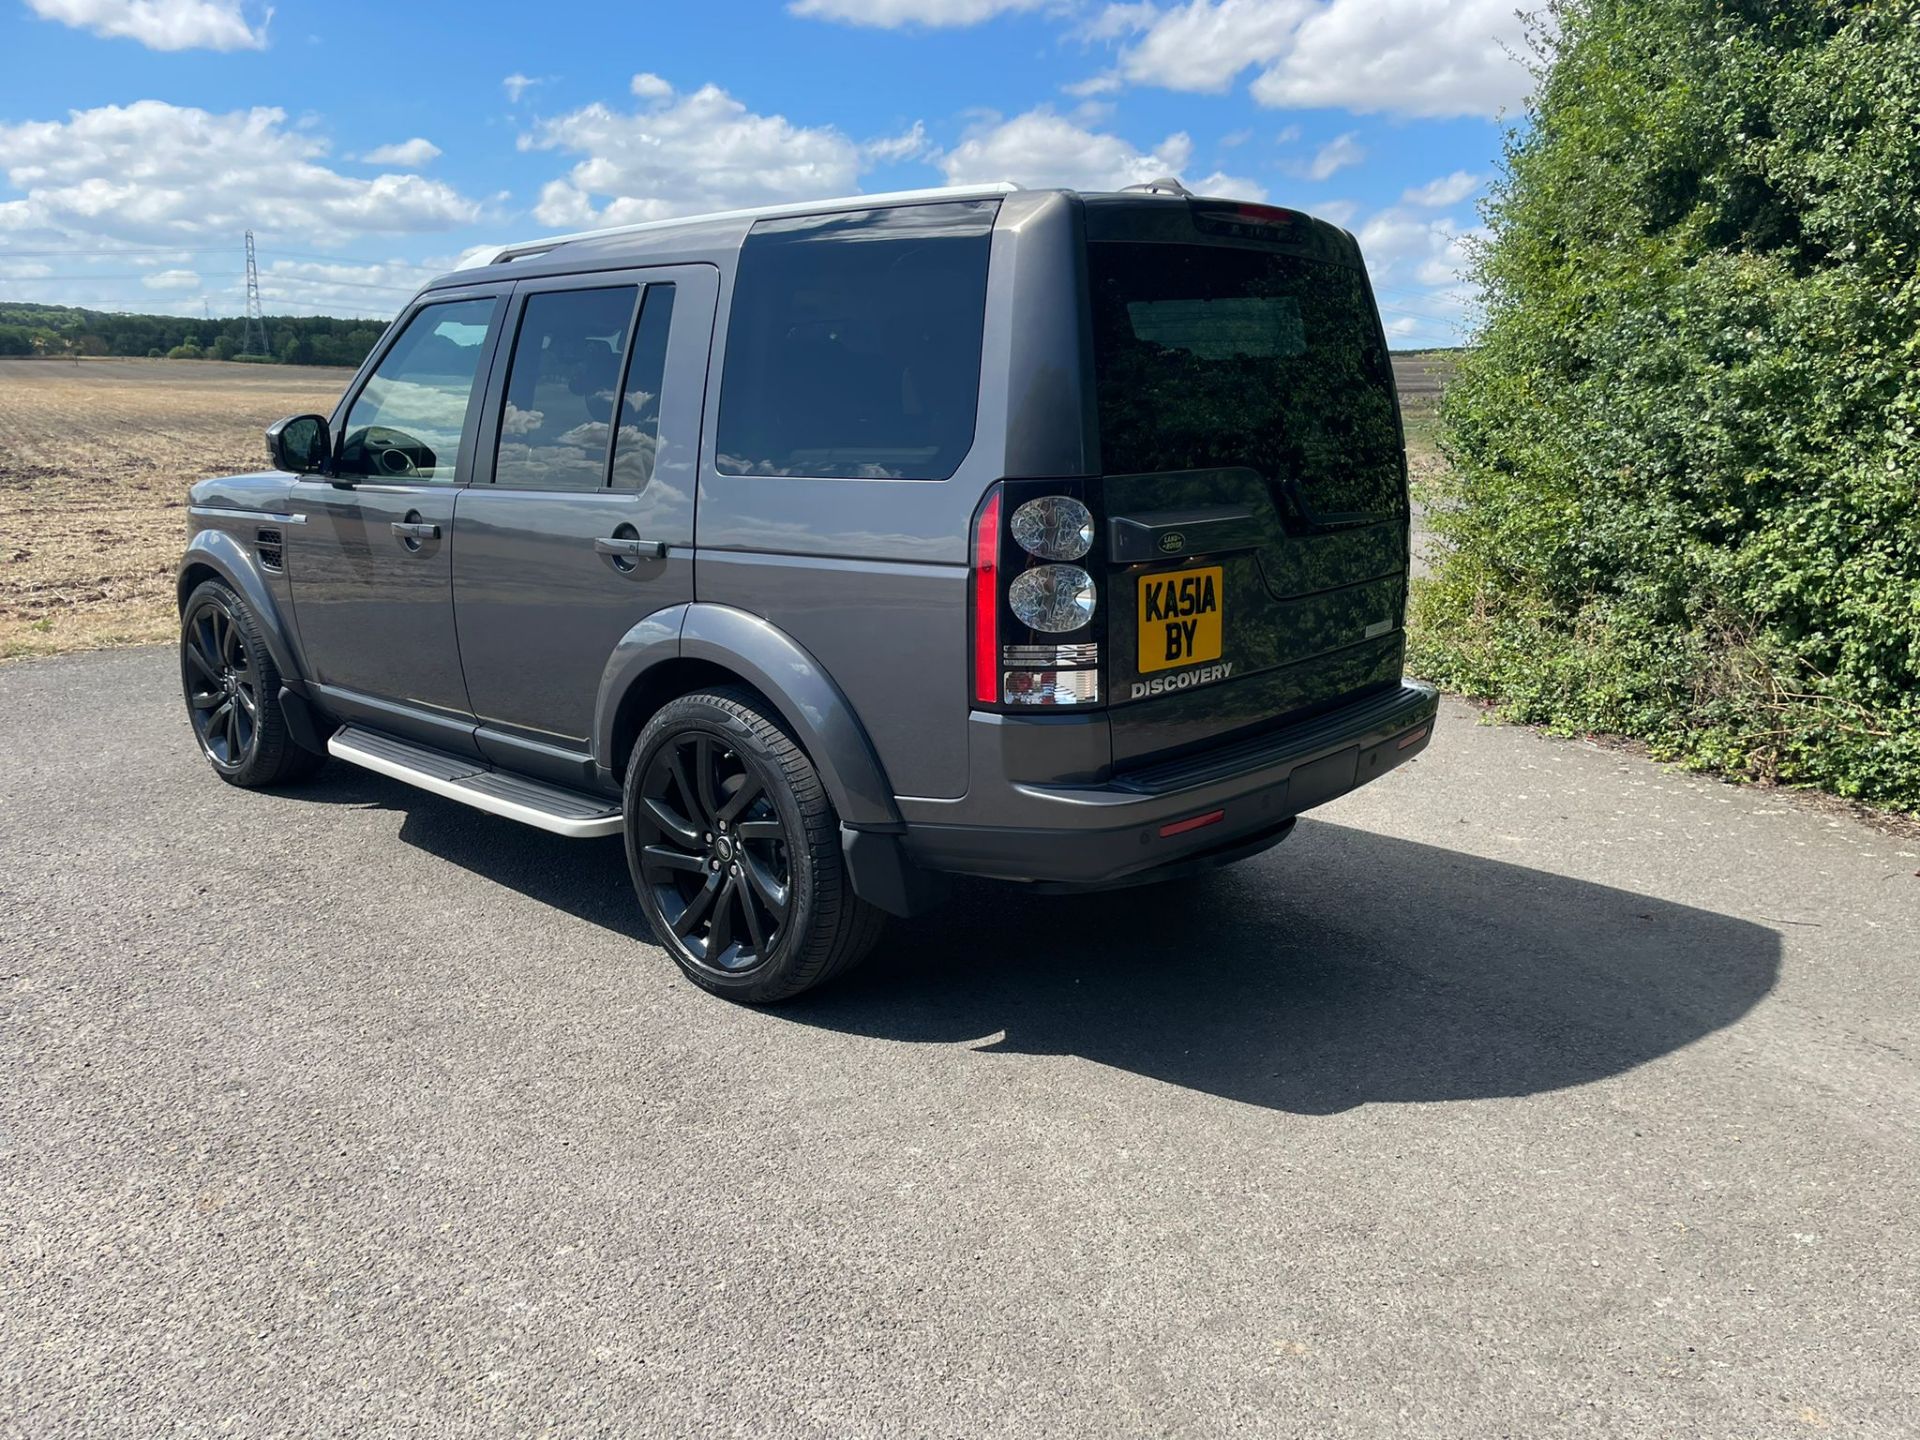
(1255, 478)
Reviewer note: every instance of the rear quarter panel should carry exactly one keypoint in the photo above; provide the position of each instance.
(870, 575)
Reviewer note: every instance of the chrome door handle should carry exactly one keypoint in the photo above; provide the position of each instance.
(416, 530)
(631, 549)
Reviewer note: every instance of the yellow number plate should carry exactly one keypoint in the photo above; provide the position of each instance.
(1180, 618)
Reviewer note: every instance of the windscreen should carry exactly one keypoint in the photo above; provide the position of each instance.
(1209, 356)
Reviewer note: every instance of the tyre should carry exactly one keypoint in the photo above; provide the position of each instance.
(734, 849)
(233, 693)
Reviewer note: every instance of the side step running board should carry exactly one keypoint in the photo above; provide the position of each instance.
(473, 782)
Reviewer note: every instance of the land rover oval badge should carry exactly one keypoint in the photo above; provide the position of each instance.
(1172, 542)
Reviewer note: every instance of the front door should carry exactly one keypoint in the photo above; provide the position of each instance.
(579, 523)
(372, 570)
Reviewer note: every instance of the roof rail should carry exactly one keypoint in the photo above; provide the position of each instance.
(758, 212)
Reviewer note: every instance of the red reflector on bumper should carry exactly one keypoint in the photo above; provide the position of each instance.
(1412, 737)
(1180, 827)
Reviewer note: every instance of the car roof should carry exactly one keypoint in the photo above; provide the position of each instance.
(720, 233)
(515, 251)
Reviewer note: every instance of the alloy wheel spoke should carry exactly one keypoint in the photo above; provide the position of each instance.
(233, 733)
(772, 893)
(696, 908)
(671, 821)
(666, 858)
(247, 703)
(199, 661)
(207, 639)
(206, 699)
(688, 795)
(755, 931)
(750, 790)
(720, 935)
(705, 762)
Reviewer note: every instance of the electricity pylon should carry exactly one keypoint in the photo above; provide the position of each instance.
(256, 322)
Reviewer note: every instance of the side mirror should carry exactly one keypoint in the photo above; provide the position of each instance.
(300, 443)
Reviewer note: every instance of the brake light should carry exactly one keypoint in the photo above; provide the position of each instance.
(1036, 626)
(1246, 222)
(986, 601)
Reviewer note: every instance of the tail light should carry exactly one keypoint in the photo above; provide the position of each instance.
(1036, 622)
(986, 601)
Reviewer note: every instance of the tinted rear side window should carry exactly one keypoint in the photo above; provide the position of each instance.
(1212, 356)
(854, 344)
(639, 442)
(562, 388)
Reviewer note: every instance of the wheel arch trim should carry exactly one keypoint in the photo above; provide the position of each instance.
(219, 552)
(806, 698)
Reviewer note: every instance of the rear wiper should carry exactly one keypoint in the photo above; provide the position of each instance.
(1326, 524)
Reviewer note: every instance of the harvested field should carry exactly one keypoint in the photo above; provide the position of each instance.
(1420, 375)
(95, 461)
(96, 457)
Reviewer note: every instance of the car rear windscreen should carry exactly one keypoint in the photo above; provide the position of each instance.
(1209, 356)
(854, 344)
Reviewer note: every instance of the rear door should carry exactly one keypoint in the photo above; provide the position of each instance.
(1255, 482)
(371, 565)
(579, 523)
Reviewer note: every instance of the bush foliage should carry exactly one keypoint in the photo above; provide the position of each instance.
(1684, 499)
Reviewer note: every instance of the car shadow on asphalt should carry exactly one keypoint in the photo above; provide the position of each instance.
(1340, 968)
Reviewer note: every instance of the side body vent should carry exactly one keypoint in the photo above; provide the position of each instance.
(271, 548)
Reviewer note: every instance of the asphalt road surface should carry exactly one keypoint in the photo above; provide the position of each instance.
(1532, 1091)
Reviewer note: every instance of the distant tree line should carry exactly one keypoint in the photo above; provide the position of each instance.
(29, 329)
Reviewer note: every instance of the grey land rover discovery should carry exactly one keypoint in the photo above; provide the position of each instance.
(827, 550)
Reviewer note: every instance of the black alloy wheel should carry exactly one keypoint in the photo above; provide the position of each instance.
(735, 851)
(222, 683)
(233, 692)
(714, 852)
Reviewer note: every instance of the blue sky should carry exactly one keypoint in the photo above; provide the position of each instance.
(371, 145)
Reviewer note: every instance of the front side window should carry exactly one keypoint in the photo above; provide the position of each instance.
(854, 344)
(562, 389)
(406, 423)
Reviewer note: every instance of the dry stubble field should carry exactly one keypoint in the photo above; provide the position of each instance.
(96, 457)
(95, 461)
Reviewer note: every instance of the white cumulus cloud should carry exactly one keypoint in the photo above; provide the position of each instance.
(162, 24)
(1447, 190)
(172, 280)
(909, 144)
(1044, 148)
(155, 172)
(1336, 155)
(683, 154)
(1203, 45)
(1408, 57)
(408, 154)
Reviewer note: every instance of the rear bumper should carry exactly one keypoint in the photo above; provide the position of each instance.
(1100, 834)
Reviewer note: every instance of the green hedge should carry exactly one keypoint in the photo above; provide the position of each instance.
(1684, 498)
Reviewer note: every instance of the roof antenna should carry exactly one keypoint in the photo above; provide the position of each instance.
(1165, 185)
